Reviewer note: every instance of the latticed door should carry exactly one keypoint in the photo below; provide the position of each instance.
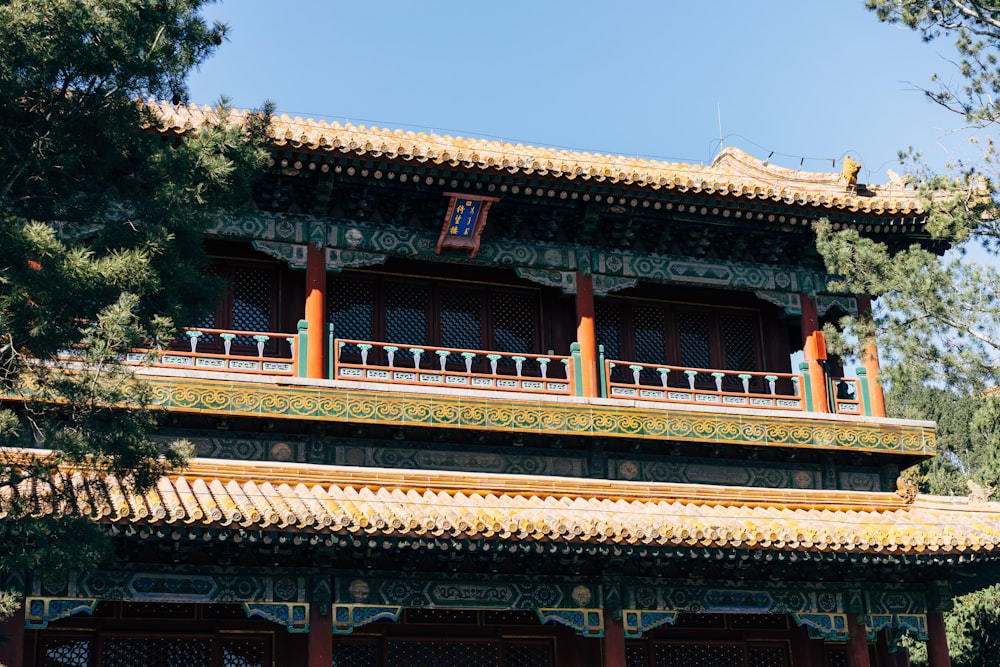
(675, 335)
(416, 312)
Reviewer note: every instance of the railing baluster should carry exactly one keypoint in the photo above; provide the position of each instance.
(227, 341)
(260, 344)
(364, 347)
(691, 375)
(468, 356)
(518, 364)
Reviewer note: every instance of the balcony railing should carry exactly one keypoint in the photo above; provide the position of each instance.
(703, 386)
(225, 350)
(264, 353)
(369, 361)
(846, 396)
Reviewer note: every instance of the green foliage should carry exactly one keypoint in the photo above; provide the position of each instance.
(937, 319)
(973, 630)
(101, 226)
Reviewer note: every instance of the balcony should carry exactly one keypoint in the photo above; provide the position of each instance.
(442, 368)
(371, 382)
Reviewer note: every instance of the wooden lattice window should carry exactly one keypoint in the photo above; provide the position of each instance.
(156, 651)
(249, 303)
(697, 655)
(65, 652)
(708, 654)
(774, 655)
(836, 656)
(635, 655)
(120, 650)
(348, 653)
(442, 653)
(535, 654)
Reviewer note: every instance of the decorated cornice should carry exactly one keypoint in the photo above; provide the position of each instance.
(294, 255)
(595, 418)
(351, 243)
(733, 173)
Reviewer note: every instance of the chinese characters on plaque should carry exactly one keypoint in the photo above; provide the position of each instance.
(464, 222)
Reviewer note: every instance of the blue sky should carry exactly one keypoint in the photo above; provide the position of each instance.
(652, 78)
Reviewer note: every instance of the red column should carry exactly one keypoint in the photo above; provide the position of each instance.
(320, 635)
(857, 643)
(870, 362)
(614, 640)
(884, 658)
(585, 333)
(12, 632)
(315, 305)
(806, 651)
(814, 351)
(937, 643)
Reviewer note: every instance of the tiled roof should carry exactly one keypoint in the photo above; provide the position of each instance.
(733, 172)
(347, 500)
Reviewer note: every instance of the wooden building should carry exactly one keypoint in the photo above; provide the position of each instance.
(471, 403)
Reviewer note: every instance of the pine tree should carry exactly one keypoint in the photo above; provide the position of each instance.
(101, 222)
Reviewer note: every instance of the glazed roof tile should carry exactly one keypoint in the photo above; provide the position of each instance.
(348, 500)
(733, 172)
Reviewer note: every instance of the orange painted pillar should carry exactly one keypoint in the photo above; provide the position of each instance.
(614, 640)
(857, 643)
(12, 634)
(315, 309)
(585, 332)
(320, 635)
(869, 360)
(937, 642)
(814, 351)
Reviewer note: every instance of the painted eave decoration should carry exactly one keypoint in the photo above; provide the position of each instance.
(336, 500)
(732, 173)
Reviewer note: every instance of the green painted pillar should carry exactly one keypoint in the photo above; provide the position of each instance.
(303, 347)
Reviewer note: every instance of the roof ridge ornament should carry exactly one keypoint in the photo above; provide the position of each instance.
(979, 495)
(906, 490)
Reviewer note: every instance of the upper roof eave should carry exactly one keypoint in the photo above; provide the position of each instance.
(732, 173)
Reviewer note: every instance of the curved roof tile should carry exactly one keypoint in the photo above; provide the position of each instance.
(342, 500)
(733, 172)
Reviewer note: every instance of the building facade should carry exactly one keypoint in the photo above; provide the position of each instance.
(470, 403)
